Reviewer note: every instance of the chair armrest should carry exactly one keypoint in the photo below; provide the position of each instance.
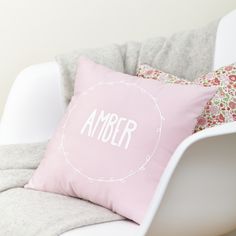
(196, 194)
(34, 105)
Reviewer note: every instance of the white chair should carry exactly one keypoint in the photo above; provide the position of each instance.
(197, 193)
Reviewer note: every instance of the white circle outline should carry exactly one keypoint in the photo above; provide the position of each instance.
(148, 157)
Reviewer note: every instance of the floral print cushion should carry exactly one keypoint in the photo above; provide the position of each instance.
(221, 108)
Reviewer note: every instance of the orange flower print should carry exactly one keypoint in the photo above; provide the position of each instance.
(229, 68)
(201, 121)
(232, 105)
(232, 78)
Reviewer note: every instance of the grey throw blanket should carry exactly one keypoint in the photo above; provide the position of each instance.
(187, 54)
(25, 212)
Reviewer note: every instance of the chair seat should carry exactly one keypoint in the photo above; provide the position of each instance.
(115, 228)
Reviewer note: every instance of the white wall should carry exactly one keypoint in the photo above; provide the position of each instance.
(34, 31)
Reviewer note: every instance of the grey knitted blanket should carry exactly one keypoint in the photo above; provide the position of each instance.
(26, 212)
(187, 54)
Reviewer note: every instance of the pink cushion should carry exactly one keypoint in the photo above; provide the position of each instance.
(117, 137)
(221, 108)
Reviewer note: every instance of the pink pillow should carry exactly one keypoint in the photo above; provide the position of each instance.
(117, 137)
(221, 108)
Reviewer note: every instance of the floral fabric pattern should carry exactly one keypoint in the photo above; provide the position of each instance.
(221, 108)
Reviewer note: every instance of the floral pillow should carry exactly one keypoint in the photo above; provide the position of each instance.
(221, 108)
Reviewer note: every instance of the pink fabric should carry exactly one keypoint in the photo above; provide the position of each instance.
(221, 108)
(117, 137)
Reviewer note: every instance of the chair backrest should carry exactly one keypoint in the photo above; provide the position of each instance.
(225, 47)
